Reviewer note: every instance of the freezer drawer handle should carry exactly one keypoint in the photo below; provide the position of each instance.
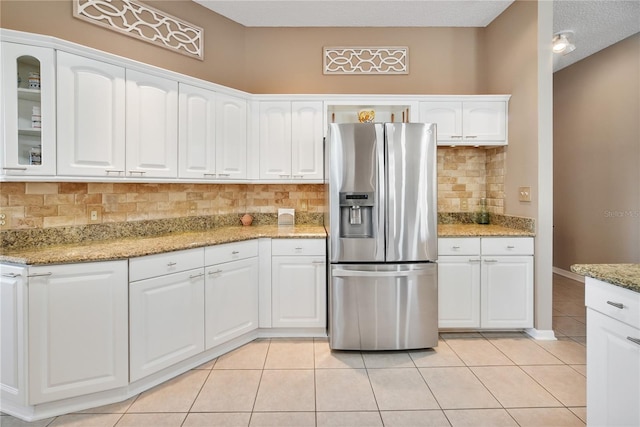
(357, 273)
(634, 340)
(616, 304)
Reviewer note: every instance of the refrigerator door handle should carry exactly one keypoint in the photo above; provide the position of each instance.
(360, 273)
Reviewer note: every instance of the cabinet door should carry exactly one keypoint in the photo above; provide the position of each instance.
(13, 309)
(447, 116)
(24, 133)
(484, 121)
(459, 291)
(613, 372)
(507, 292)
(166, 321)
(77, 329)
(306, 140)
(275, 140)
(197, 133)
(298, 291)
(151, 126)
(231, 137)
(231, 300)
(91, 117)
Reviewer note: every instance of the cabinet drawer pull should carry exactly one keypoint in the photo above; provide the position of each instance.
(39, 274)
(298, 176)
(113, 171)
(12, 275)
(195, 276)
(616, 304)
(455, 247)
(284, 176)
(15, 169)
(215, 272)
(456, 136)
(473, 260)
(490, 260)
(140, 172)
(171, 264)
(317, 262)
(510, 247)
(224, 174)
(235, 252)
(472, 136)
(209, 174)
(634, 340)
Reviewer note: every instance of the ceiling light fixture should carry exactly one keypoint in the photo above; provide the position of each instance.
(562, 43)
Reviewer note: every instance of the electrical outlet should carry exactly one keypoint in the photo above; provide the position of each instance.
(94, 215)
(464, 204)
(524, 194)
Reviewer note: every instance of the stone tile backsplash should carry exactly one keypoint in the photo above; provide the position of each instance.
(465, 175)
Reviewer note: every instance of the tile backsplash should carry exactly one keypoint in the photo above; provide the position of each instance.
(43, 205)
(464, 176)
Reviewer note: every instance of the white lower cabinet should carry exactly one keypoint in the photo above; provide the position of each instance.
(64, 331)
(166, 312)
(231, 291)
(459, 291)
(485, 283)
(613, 355)
(298, 283)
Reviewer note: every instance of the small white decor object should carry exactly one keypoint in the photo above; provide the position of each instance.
(366, 60)
(286, 216)
(143, 22)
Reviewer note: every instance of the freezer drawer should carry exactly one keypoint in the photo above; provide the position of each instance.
(383, 306)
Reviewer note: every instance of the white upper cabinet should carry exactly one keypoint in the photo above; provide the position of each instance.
(151, 126)
(197, 133)
(91, 117)
(291, 142)
(306, 140)
(29, 113)
(466, 122)
(231, 137)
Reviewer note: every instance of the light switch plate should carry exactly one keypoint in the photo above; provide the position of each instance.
(524, 194)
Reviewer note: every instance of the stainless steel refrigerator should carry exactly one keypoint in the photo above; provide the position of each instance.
(382, 227)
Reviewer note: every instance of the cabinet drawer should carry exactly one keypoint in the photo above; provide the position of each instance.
(459, 246)
(507, 246)
(230, 252)
(166, 263)
(298, 247)
(607, 299)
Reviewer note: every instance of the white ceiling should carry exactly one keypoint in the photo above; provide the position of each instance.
(596, 24)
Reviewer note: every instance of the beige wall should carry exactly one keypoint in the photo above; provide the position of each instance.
(441, 60)
(597, 158)
(510, 66)
(223, 41)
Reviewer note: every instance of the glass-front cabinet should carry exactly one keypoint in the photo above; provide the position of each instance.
(28, 107)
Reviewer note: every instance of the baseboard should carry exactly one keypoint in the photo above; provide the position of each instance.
(542, 335)
(569, 274)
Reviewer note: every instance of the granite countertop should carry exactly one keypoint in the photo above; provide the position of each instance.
(116, 249)
(133, 247)
(623, 275)
(480, 230)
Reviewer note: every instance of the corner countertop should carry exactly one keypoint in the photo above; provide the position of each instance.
(623, 275)
(480, 230)
(110, 250)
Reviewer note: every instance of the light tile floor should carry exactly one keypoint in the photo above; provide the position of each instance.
(470, 379)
